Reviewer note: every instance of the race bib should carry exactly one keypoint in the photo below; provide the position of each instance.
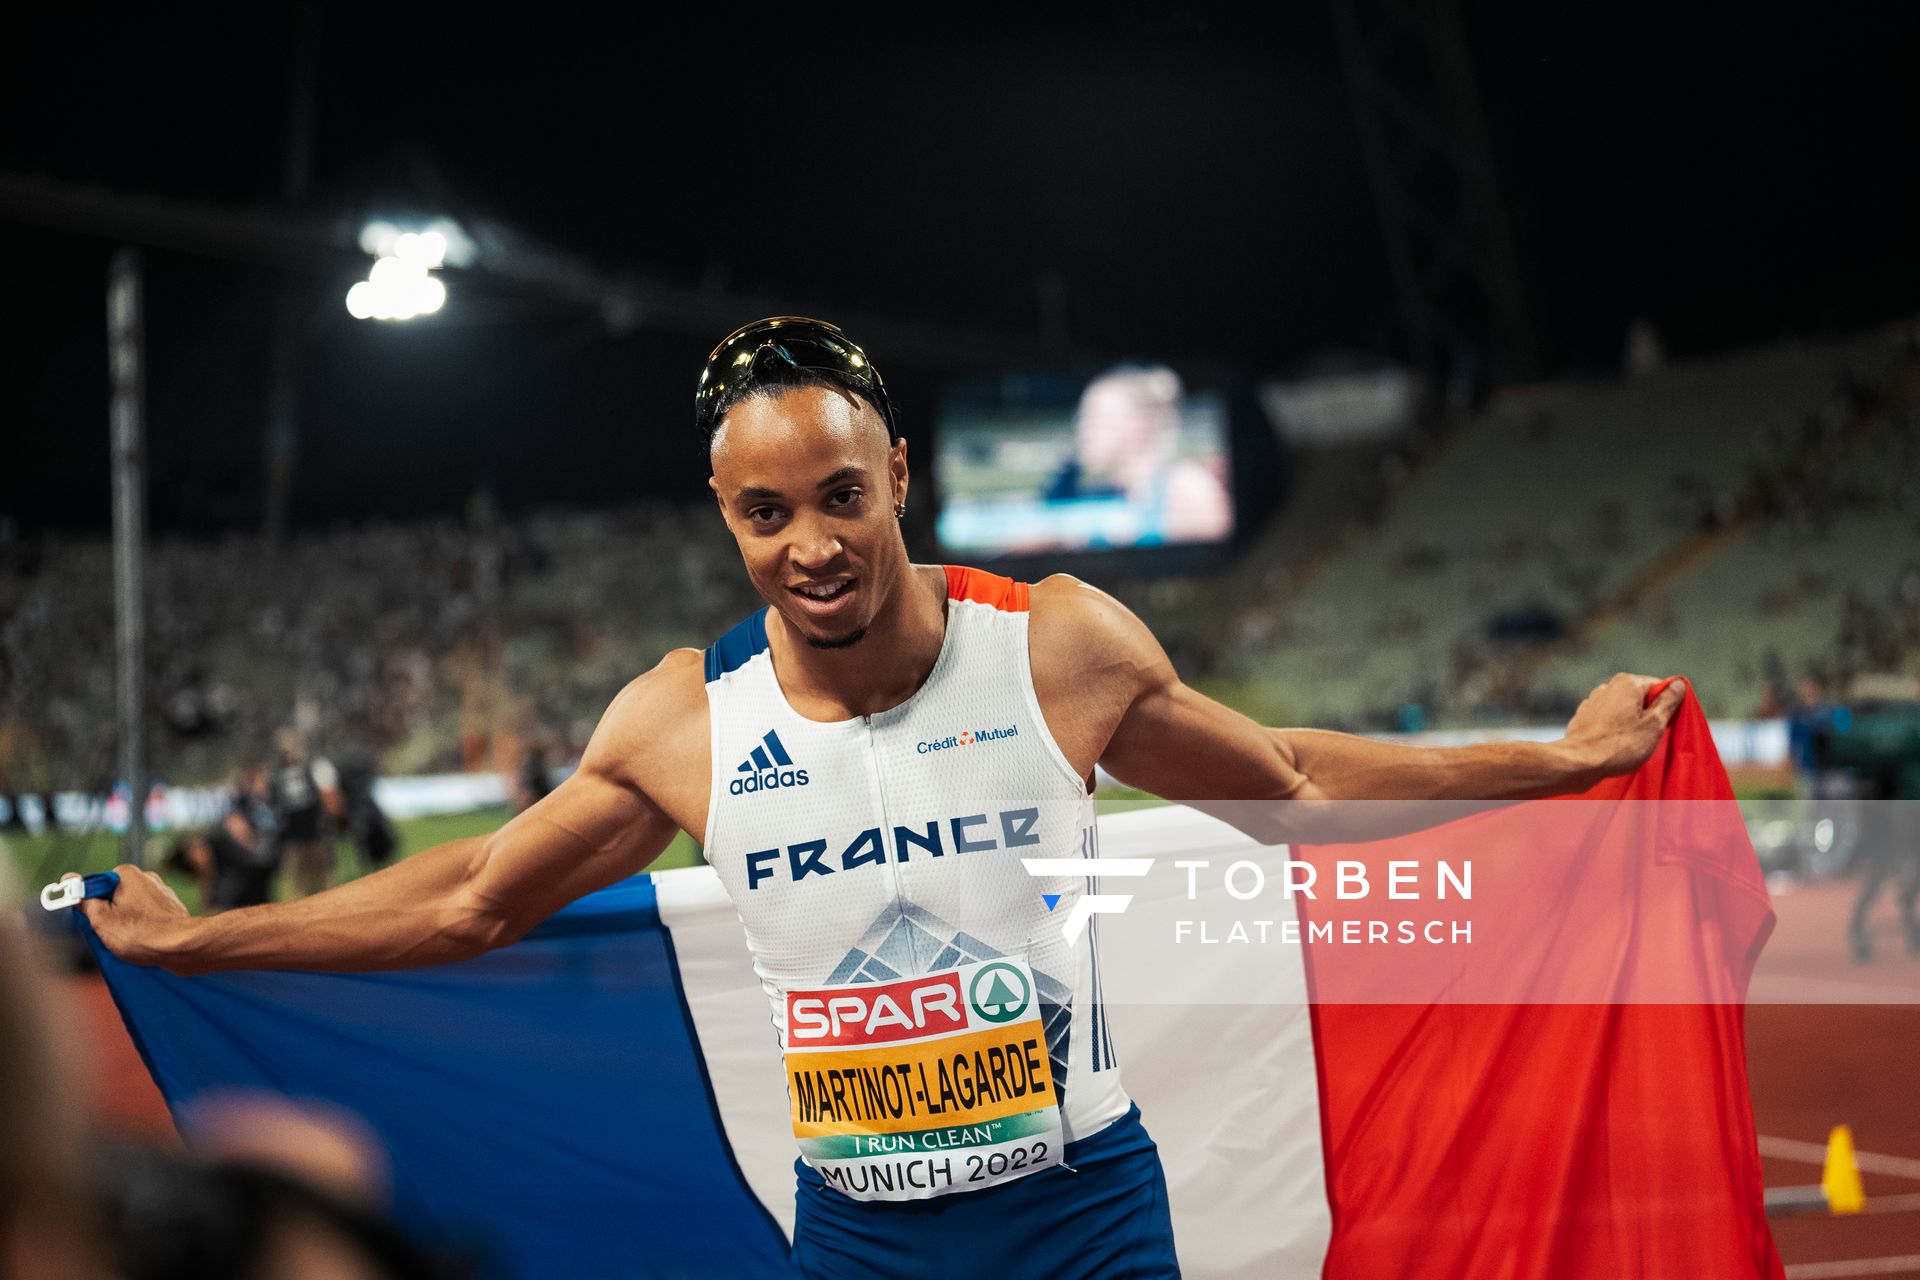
(926, 1086)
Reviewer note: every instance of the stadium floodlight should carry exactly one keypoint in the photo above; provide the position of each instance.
(401, 284)
(443, 238)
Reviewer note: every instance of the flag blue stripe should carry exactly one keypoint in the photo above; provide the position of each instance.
(544, 1101)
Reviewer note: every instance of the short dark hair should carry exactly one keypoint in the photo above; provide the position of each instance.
(776, 383)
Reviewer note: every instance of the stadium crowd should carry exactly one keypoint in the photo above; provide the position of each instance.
(1751, 521)
(438, 645)
(1763, 536)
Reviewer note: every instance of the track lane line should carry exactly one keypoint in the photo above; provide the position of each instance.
(1816, 1153)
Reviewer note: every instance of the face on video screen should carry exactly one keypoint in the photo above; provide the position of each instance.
(1129, 458)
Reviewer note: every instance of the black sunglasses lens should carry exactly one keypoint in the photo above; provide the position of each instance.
(807, 352)
(750, 354)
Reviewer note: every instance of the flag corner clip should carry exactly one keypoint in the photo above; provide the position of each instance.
(71, 893)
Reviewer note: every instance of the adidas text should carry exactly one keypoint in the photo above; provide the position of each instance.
(768, 780)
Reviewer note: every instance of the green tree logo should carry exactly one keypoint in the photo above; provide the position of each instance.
(999, 993)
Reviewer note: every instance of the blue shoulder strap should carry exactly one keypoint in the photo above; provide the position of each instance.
(733, 649)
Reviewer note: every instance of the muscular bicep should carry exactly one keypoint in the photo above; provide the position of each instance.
(587, 833)
(597, 827)
(1176, 742)
(1157, 733)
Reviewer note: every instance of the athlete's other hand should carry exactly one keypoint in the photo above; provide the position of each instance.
(1615, 727)
(143, 914)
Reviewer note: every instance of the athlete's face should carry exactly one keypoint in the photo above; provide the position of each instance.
(807, 481)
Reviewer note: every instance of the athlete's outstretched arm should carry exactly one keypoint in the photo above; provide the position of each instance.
(1176, 742)
(449, 902)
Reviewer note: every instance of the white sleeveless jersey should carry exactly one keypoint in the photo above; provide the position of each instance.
(940, 1033)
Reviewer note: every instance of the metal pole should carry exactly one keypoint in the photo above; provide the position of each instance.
(283, 407)
(1388, 202)
(291, 307)
(126, 372)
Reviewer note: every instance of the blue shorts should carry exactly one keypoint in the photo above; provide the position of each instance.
(1102, 1215)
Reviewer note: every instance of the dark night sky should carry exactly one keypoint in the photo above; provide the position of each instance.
(1192, 175)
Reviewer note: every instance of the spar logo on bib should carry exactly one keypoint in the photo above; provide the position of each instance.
(999, 993)
(880, 1013)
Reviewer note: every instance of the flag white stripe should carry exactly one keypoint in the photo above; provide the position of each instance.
(1227, 1090)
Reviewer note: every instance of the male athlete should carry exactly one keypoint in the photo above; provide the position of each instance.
(865, 762)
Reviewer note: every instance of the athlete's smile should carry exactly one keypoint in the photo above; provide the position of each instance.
(825, 599)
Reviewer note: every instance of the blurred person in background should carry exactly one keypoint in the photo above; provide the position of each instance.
(1887, 851)
(251, 795)
(535, 778)
(1812, 715)
(306, 798)
(368, 828)
(1127, 433)
(270, 1190)
(47, 1227)
(234, 862)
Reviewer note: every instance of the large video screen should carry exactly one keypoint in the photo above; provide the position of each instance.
(1129, 457)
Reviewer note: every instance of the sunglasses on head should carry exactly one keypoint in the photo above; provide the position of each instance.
(758, 352)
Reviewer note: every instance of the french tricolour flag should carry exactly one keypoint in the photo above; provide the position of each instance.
(1563, 1096)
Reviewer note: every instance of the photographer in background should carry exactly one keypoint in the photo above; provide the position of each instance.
(234, 862)
(305, 794)
(368, 828)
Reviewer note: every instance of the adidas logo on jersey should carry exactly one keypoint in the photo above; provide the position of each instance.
(768, 768)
